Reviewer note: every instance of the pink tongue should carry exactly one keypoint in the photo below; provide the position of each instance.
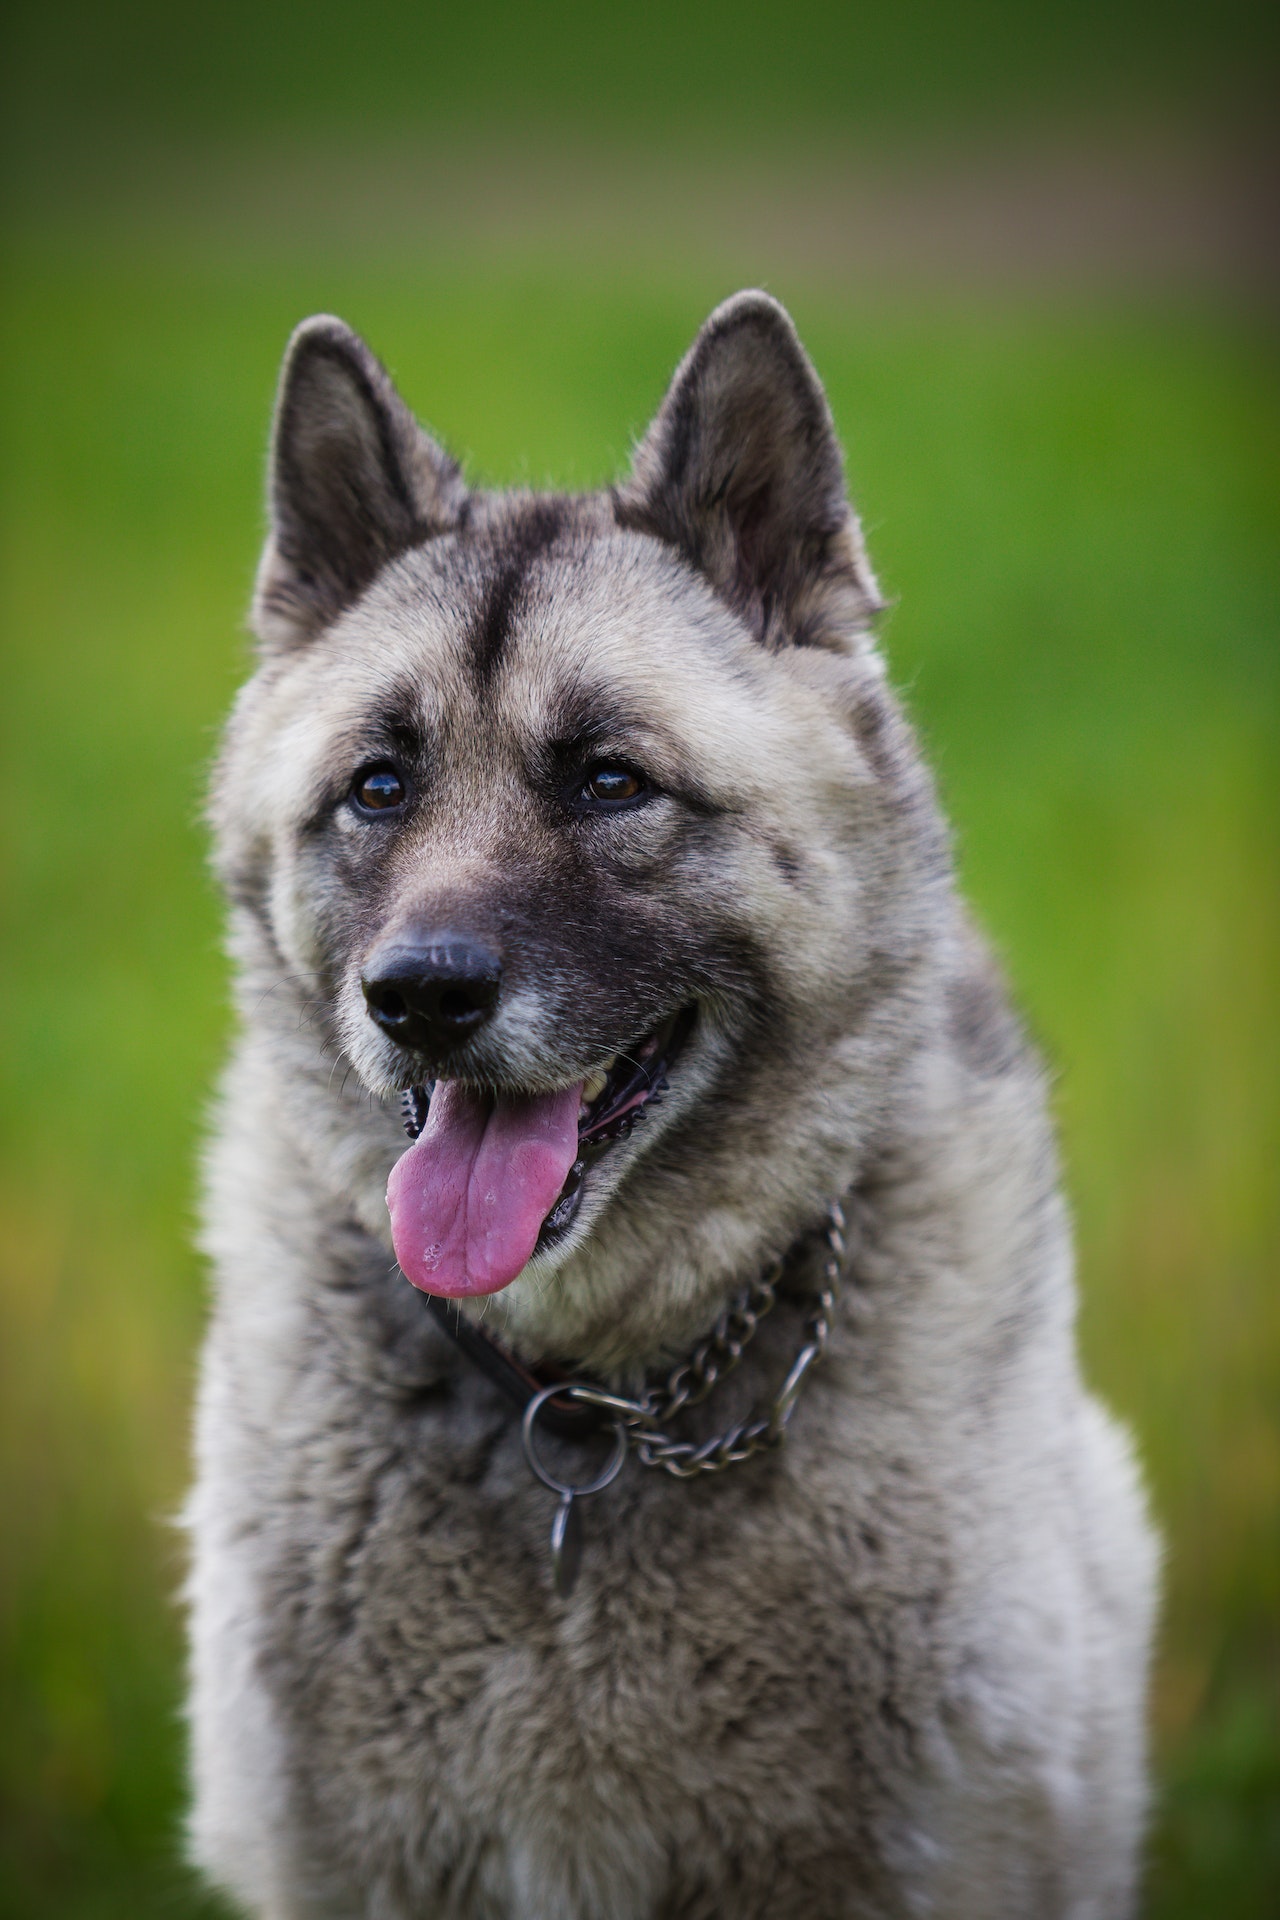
(469, 1197)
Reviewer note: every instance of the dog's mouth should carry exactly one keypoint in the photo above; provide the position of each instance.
(493, 1178)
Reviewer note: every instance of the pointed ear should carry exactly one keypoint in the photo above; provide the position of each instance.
(741, 471)
(354, 480)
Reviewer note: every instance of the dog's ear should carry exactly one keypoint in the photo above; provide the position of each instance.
(354, 480)
(741, 471)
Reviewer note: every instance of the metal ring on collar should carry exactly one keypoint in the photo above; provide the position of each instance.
(602, 1480)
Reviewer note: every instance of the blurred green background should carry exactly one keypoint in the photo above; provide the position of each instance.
(1029, 251)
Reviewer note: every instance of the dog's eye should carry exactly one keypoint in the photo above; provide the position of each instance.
(378, 789)
(610, 786)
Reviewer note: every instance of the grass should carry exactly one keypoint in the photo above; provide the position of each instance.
(1077, 517)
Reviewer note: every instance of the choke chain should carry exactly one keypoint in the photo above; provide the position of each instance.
(691, 1381)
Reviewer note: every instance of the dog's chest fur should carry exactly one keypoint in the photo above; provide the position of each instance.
(586, 1742)
(745, 1677)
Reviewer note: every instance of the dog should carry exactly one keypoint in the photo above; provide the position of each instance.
(584, 835)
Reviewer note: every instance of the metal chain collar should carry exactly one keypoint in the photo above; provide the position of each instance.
(644, 1419)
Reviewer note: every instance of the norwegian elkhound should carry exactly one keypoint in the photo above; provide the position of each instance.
(583, 838)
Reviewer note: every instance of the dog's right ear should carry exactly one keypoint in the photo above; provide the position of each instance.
(354, 480)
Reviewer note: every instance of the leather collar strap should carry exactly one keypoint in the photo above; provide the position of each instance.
(571, 1414)
(520, 1383)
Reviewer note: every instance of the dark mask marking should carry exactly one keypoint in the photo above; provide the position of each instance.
(527, 536)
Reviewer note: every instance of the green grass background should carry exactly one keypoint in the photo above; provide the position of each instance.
(698, 69)
(1075, 509)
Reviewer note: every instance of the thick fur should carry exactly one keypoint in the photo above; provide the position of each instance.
(896, 1667)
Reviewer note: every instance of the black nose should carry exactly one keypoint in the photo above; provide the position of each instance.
(431, 994)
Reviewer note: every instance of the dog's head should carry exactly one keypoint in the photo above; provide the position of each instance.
(590, 819)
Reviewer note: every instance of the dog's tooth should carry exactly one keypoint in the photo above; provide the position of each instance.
(594, 1084)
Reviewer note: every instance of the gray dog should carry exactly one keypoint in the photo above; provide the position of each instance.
(583, 838)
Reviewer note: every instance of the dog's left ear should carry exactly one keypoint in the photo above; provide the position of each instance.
(741, 471)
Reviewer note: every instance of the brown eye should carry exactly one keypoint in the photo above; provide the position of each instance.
(612, 784)
(378, 789)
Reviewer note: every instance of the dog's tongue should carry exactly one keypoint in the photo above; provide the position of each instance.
(469, 1197)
